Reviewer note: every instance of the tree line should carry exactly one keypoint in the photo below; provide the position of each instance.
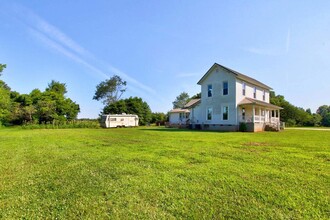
(51, 106)
(37, 107)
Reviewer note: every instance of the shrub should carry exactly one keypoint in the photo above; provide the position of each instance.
(242, 127)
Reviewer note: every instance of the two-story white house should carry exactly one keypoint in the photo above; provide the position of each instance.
(229, 98)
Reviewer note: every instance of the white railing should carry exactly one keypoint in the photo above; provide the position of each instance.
(259, 119)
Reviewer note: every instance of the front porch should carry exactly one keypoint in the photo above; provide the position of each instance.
(259, 116)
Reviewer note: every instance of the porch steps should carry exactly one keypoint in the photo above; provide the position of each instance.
(272, 127)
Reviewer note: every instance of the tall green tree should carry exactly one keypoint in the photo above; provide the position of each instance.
(5, 101)
(2, 67)
(324, 112)
(110, 91)
(181, 100)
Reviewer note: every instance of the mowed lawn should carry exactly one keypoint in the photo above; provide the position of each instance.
(158, 173)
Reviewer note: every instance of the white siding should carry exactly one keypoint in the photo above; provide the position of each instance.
(174, 118)
(249, 90)
(218, 100)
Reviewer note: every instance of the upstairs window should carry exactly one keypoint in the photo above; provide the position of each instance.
(209, 114)
(225, 113)
(243, 89)
(255, 92)
(264, 95)
(209, 90)
(225, 88)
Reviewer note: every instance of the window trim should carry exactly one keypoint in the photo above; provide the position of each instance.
(223, 88)
(209, 91)
(244, 89)
(227, 112)
(207, 114)
(264, 95)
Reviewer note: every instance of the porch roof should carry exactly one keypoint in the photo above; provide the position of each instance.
(249, 101)
(192, 103)
(179, 110)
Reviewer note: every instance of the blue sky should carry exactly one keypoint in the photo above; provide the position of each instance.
(162, 48)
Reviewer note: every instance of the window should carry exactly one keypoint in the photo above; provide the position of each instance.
(209, 90)
(225, 88)
(255, 92)
(243, 113)
(113, 119)
(209, 114)
(244, 87)
(264, 95)
(225, 113)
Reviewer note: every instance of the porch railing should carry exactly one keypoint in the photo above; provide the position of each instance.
(259, 119)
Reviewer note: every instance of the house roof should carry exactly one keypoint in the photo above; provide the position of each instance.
(192, 103)
(179, 110)
(249, 101)
(237, 74)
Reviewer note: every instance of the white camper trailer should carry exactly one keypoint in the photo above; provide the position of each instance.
(123, 120)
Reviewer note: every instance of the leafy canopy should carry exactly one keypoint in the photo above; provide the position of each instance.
(181, 100)
(110, 90)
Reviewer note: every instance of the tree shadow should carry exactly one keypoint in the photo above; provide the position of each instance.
(181, 130)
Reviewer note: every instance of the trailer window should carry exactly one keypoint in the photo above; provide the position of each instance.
(122, 119)
(113, 119)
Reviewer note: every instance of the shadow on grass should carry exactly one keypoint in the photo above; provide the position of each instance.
(181, 130)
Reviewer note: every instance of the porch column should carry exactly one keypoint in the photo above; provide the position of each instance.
(253, 112)
(259, 114)
(279, 114)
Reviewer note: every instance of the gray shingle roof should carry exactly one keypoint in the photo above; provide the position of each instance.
(237, 74)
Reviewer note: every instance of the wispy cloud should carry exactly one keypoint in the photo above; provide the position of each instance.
(58, 41)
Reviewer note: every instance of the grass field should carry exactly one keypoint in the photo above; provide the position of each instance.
(158, 173)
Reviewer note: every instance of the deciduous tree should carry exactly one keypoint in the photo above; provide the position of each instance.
(110, 90)
(181, 100)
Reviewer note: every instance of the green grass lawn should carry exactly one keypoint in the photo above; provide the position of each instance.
(158, 173)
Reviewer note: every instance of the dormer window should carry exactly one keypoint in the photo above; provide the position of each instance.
(243, 88)
(255, 92)
(225, 88)
(209, 90)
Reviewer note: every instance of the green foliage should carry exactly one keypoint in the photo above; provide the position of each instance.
(145, 173)
(181, 100)
(5, 104)
(242, 127)
(65, 124)
(159, 117)
(324, 112)
(292, 115)
(2, 67)
(132, 105)
(197, 96)
(110, 90)
(57, 88)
